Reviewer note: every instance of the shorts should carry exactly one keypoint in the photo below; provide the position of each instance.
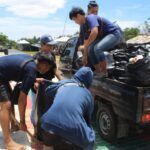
(58, 142)
(5, 91)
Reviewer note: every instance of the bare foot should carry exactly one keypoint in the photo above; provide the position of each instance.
(11, 145)
(36, 145)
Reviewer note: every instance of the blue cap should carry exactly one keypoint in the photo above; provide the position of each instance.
(47, 39)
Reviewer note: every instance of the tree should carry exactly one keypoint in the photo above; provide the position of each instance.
(5, 42)
(131, 33)
(146, 27)
(12, 44)
(3, 39)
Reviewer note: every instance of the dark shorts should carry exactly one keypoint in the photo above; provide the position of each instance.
(58, 142)
(5, 91)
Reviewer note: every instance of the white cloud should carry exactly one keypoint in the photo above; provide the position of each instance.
(32, 8)
(16, 28)
(129, 24)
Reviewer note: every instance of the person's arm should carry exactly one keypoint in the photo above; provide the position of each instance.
(91, 39)
(58, 74)
(22, 102)
(27, 82)
(93, 24)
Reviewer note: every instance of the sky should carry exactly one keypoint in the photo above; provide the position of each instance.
(28, 18)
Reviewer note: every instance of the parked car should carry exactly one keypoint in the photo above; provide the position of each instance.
(3, 51)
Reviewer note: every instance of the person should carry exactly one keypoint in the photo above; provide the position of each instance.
(12, 69)
(93, 8)
(69, 117)
(47, 44)
(99, 35)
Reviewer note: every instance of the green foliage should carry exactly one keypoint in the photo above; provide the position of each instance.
(11, 44)
(131, 33)
(147, 26)
(3, 39)
(5, 42)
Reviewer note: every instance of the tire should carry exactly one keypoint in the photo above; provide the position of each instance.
(106, 122)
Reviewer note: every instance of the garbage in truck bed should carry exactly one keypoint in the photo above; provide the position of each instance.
(131, 65)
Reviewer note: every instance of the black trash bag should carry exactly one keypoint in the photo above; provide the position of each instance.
(139, 72)
(43, 104)
(15, 94)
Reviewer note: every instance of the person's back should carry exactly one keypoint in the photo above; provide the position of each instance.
(105, 27)
(70, 114)
(18, 68)
(10, 67)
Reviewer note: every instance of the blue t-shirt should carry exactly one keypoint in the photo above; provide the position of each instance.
(105, 27)
(70, 116)
(10, 70)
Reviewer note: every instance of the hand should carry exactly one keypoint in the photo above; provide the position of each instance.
(81, 48)
(36, 85)
(84, 60)
(23, 126)
(40, 80)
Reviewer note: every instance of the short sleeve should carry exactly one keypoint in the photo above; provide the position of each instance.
(28, 81)
(92, 21)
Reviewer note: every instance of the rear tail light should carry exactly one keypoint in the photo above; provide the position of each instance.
(146, 118)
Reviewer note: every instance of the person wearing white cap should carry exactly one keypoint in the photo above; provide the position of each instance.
(47, 45)
(93, 8)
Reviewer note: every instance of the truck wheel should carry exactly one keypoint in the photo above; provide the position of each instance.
(106, 122)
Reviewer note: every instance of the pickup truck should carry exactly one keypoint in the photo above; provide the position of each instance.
(119, 105)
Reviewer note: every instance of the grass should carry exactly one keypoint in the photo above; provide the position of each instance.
(30, 52)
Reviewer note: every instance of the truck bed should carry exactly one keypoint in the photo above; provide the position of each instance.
(127, 100)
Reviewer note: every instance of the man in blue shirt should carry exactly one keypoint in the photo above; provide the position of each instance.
(69, 117)
(93, 8)
(99, 35)
(19, 68)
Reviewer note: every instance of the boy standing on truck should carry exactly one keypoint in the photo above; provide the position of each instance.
(99, 35)
(93, 8)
